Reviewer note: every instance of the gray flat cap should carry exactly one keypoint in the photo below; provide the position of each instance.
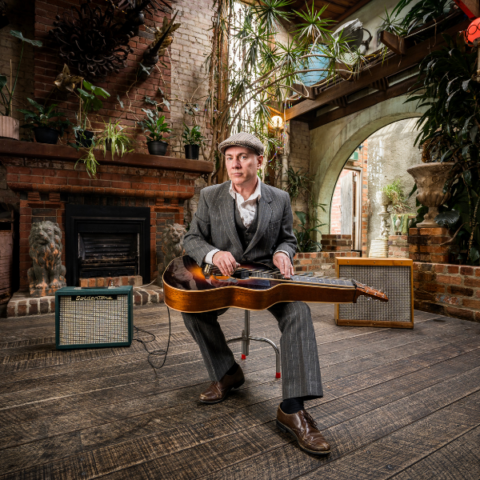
(242, 139)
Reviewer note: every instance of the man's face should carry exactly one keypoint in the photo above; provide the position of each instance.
(242, 164)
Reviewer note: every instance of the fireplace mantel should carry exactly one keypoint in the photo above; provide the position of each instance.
(15, 148)
(46, 180)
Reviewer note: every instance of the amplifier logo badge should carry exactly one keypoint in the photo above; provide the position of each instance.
(90, 298)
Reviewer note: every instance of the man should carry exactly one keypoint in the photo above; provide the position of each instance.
(246, 220)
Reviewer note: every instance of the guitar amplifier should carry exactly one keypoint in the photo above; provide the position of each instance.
(93, 317)
(392, 276)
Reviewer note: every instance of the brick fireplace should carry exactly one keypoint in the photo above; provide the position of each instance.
(46, 181)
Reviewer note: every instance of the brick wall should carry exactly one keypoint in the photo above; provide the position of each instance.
(189, 79)
(429, 245)
(162, 191)
(320, 263)
(299, 155)
(21, 16)
(47, 65)
(336, 243)
(450, 290)
(398, 246)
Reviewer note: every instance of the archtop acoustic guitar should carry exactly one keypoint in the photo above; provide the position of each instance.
(253, 286)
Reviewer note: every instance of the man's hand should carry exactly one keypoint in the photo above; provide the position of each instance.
(282, 262)
(225, 262)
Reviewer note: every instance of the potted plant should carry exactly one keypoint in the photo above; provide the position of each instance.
(155, 125)
(47, 124)
(114, 140)
(448, 182)
(193, 139)
(395, 195)
(90, 101)
(9, 126)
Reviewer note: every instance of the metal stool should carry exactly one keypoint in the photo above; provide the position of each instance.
(246, 338)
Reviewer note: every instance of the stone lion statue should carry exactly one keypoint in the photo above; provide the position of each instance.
(47, 274)
(172, 246)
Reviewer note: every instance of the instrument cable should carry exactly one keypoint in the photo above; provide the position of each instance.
(154, 354)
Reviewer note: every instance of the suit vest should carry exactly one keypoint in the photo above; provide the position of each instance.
(245, 234)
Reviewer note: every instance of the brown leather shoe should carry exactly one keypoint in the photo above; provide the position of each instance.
(303, 427)
(218, 391)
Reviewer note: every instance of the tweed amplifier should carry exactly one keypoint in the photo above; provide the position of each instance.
(393, 276)
(93, 317)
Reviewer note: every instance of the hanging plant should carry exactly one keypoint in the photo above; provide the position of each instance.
(91, 40)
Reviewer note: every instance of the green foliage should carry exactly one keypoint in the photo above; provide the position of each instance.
(114, 138)
(154, 124)
(90, 161)
(192, 136)
(90, 101)
(7, 93)
(46, 117)
(298, 182)
(306, 230)
(420, 12)
(394, 192)
(261, 71)
(449, 132)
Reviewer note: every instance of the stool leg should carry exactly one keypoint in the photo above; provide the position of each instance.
(246, 336)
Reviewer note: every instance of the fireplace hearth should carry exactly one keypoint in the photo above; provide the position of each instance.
(106, 241)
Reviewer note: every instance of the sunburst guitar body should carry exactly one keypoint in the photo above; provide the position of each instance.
(253, 286)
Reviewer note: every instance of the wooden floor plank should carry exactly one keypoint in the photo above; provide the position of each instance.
(336, 411)
(424, 444)
(98, 415)
(117, 394)
(87, 415)
(457, 460)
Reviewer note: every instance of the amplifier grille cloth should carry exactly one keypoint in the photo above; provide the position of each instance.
(394, 281)
(90, 322)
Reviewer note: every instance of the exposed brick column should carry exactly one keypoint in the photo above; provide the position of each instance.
(398, 246)
(336, 243)
(428, 245)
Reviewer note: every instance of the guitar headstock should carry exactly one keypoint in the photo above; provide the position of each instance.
(370, 293)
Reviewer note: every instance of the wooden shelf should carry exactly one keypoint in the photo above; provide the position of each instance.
(15, 148)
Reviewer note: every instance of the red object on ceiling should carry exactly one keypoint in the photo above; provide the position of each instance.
(472, 33)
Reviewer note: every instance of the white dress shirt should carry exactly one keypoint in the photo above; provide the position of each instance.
(247, 210)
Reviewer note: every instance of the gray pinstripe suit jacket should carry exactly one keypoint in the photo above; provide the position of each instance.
(214, 226)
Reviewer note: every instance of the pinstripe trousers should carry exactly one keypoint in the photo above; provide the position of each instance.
(298, 347)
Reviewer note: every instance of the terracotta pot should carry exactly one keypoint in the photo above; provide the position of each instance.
(9, 128)
(430, 179)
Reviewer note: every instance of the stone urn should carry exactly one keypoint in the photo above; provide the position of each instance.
(430, 179)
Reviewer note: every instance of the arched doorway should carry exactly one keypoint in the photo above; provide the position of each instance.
(334, 143)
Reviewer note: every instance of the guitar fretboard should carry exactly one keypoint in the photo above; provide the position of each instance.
(274, 274)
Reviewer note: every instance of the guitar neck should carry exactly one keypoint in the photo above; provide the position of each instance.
(307, 279)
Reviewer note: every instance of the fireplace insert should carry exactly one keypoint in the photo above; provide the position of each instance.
(107, 242)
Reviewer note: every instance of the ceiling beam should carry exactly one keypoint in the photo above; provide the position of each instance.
(352, 10)
(390, 66)
(365, 102)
